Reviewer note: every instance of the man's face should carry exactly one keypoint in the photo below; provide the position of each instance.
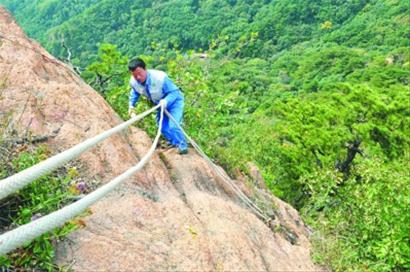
(139, 74)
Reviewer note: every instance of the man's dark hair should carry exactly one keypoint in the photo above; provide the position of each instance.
(135, 63)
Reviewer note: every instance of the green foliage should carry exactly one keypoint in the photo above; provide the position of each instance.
(36, 17)
(365, 226)
(43, 196)
(317, 130)
(238, 28)
(381, 24)
(108, 72)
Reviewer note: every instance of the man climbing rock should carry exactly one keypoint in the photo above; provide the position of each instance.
(159, 89)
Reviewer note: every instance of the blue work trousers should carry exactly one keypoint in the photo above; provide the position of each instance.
(170, 131)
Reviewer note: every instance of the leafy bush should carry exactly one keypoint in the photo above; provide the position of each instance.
(365, 225)
(43, 196)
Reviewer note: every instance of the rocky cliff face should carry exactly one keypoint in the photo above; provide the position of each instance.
(175, 214)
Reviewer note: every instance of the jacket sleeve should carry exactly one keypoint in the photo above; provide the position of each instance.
(133, 99)
(170, 90)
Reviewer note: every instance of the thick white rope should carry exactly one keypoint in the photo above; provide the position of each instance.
(17, 237)
(13, 183)
(225, 178)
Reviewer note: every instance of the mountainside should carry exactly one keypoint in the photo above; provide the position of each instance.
(245, 28)
(175, 214)
(238, 28)
(315, 94)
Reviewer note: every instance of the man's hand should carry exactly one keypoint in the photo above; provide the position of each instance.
(131, 112)
(163, 103)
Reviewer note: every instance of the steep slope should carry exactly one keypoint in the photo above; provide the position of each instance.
(174, 214)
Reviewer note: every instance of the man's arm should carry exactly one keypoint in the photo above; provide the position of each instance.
(170, 91)
(133, 99)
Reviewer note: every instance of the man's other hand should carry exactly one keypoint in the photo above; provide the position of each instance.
(163, 103)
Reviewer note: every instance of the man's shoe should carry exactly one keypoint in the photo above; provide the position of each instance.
(165, 145)
(183, 151)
